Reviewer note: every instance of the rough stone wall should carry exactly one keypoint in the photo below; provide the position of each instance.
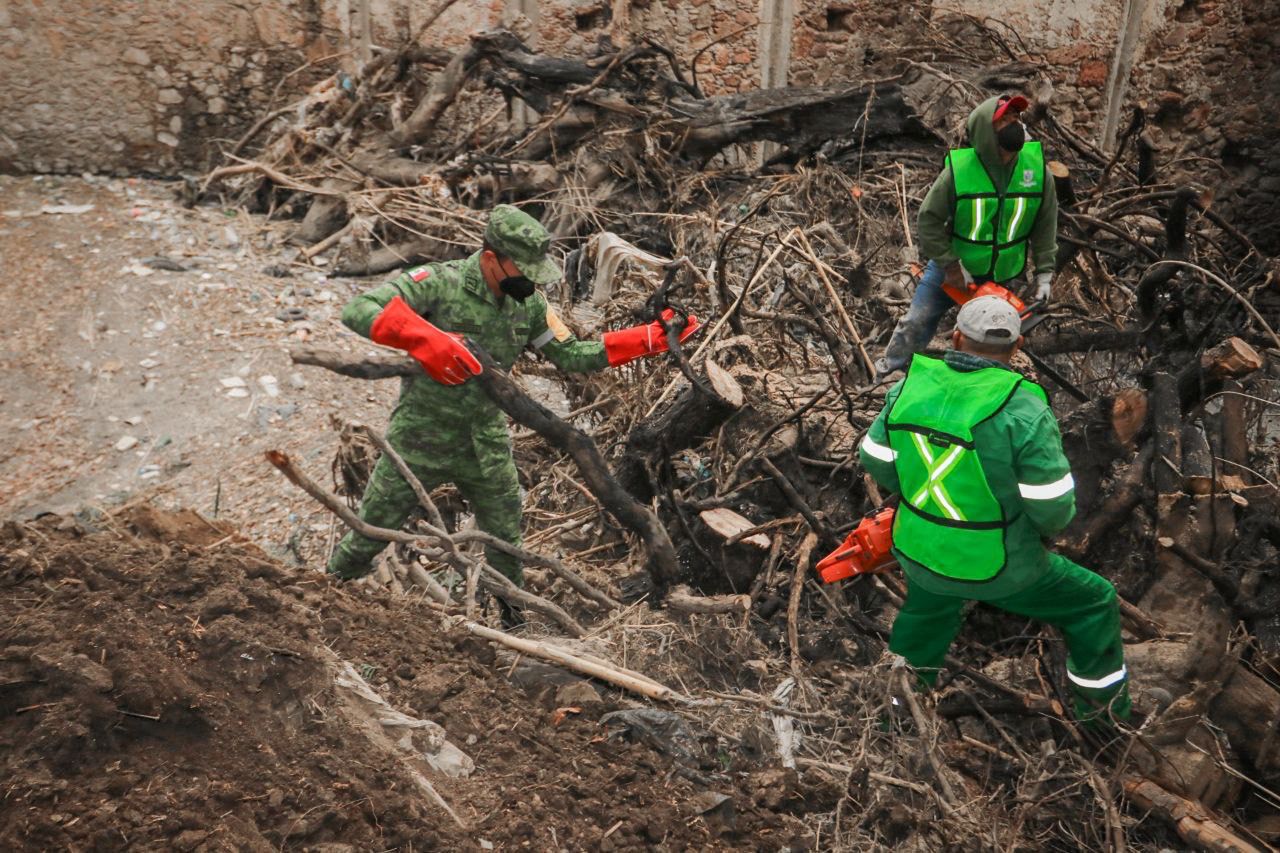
(837, 41)
(145, 85)
(154, 85)
(1211, 83)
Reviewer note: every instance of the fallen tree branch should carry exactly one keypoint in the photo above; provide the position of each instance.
(682, 600)
(444, 89)
(524, 410)
(494, 580)
(558, 568)
(594, 668)
(793, 603)
(527, 412)
(1235, 294)
(385, 364)
(1193, 822)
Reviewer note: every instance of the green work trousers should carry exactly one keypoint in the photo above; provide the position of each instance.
(1081, 604)
(492, 490)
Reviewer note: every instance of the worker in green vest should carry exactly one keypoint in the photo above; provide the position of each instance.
(972, 449)
(991, 211)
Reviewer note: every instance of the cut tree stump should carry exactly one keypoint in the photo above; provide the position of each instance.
(680, 424)
(1233, 358)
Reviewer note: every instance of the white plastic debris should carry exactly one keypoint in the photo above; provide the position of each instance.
(127, 442)
(610, 250)
(232, 382)
(71, 209)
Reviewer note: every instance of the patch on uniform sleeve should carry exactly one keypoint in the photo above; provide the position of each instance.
(419, 273)
(556, 326)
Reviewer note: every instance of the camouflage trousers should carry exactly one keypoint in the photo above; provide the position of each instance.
(490, 485)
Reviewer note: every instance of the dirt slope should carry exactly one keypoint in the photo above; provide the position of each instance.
(162, 687)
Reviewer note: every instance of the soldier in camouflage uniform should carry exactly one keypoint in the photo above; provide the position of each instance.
(449, 431)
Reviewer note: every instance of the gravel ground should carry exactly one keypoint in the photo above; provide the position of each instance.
(147, 357)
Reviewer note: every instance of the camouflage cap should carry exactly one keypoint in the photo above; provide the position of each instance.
(515, 234)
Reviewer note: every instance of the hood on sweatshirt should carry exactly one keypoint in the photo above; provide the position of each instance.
(982, 135)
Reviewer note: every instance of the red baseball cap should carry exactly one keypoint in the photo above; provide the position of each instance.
(1010, 104)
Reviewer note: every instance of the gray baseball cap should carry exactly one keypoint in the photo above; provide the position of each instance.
(989, 320)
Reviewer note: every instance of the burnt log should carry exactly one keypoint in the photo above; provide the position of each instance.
(1126, 492)
(661, 564)
(801, 118)
(1158, 276)
(1106, 339)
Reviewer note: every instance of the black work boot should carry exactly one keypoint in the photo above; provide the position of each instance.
(510, 615)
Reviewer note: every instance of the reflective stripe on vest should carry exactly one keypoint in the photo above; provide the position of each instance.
(991, 227)
(952, 524)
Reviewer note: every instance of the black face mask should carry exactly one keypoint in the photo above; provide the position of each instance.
(1011, 137)
(517, 287)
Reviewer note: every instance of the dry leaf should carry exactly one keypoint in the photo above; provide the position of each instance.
(557, 717)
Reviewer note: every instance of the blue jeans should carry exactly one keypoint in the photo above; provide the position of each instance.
(918, 325)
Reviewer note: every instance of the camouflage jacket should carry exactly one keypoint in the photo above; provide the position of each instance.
(432, 421)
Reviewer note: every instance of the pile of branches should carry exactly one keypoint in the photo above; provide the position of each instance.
(782, 218)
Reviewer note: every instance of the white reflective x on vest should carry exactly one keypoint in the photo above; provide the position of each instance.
(938, 467)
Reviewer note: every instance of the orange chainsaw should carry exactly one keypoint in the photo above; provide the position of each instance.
(867, 550)
(1031, 314)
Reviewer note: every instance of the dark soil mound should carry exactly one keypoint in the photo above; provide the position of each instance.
(163, 685)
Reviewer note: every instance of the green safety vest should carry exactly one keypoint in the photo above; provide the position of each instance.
(991, 227)
(949, 521)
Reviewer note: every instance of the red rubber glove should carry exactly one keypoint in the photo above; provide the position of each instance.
(442, 354)
(627, 345)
